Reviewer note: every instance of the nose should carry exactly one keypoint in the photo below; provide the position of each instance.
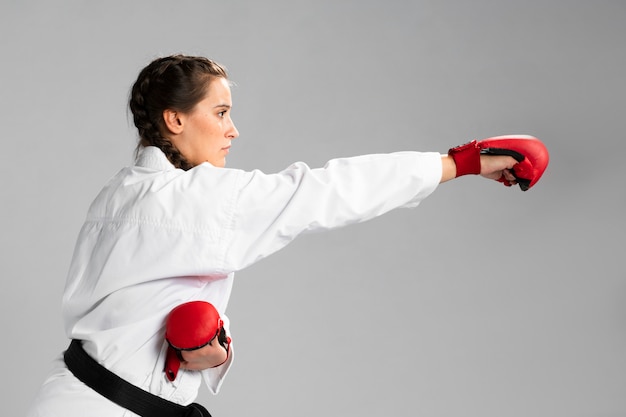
(232, 132)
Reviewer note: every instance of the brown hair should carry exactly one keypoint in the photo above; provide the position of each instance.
(176, 82)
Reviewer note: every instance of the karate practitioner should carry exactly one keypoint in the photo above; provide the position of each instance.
(175, 227)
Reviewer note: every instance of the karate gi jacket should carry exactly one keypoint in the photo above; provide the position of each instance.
(156, 237)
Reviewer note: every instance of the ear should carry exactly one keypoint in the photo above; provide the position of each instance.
(173, 121)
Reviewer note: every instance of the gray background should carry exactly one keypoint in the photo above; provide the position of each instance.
(484, 301)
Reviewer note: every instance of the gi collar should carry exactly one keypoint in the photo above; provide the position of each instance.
(153, 157)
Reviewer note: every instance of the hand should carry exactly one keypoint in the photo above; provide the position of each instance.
(206, 357)
(495, 166)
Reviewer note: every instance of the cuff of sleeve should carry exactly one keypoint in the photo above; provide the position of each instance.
(213, 377)
(428, 170)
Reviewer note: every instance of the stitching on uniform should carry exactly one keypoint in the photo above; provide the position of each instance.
(151, 222)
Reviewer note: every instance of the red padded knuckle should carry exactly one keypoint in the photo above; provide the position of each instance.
(531, 154)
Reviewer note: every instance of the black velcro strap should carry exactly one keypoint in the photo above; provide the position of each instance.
(122, 392)
(499, 151)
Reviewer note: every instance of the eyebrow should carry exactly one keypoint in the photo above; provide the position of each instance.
(222, 105)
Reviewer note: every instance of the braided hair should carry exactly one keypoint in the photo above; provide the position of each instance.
(176, 82)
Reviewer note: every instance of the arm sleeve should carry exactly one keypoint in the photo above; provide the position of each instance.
(271, 210)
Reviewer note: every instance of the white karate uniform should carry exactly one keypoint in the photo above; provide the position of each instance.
(156, 237)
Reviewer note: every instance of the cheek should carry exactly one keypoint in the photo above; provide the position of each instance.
(209, 130)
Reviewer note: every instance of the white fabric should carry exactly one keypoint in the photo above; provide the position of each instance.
(157, 236)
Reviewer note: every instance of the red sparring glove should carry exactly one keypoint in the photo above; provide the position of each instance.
(191, 326)
(531, 155)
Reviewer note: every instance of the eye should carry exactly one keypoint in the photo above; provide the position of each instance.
(222, 113)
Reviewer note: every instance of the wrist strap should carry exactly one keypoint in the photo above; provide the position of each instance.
(467, 158)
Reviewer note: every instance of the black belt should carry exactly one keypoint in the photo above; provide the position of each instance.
(122, 392)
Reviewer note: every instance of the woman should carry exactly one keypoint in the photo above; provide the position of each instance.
(175, 227)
